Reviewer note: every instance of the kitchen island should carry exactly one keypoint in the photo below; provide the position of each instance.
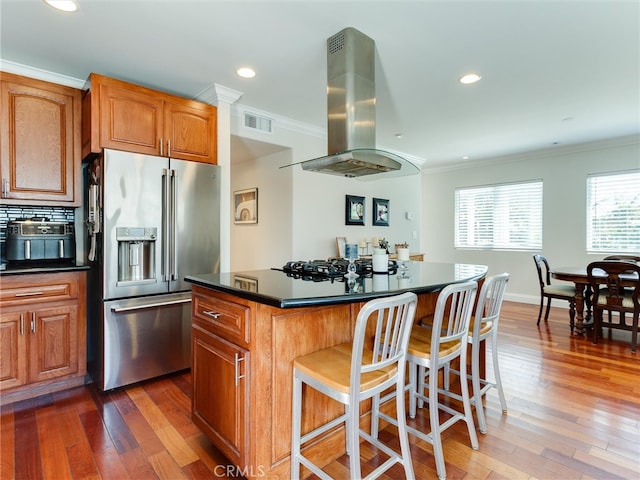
(247, 327)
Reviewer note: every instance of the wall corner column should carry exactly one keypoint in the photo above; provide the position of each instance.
(223, 97)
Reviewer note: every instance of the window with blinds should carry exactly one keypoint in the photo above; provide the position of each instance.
(613, 212)
(499, 217)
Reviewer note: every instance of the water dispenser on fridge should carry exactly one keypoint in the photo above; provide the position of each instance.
(136, 254)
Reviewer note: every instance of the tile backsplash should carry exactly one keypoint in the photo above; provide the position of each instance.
(11, 212)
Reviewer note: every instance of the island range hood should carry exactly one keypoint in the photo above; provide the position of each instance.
(351, 108)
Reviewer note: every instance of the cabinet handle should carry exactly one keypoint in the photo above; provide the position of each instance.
(168, 148)
(5, 187)
(212, 314)
(28, 294)
(33, 322)
(238, 359)
(161, 147)
(22, 324)
(150, 305)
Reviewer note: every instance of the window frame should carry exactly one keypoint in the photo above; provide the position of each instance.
(502, 200)
(619, 243)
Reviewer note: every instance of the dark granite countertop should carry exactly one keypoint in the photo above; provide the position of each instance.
(278, 289)
(42, 268)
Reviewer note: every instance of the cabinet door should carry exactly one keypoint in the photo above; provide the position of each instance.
(190, 130)
(39, 142)
(13, 352)
(220, 393)
(130, 120)
(53, 342)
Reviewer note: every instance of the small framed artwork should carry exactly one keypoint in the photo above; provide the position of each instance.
(354, 210)
(249, 284)
(381, 212)
(245, 206)
(340, 245)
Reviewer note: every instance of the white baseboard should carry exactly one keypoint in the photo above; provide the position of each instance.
(534, 299)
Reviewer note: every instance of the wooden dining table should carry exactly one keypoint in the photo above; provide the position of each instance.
(578, 275)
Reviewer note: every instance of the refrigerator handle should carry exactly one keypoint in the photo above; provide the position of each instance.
(165, 223)
(172, 226)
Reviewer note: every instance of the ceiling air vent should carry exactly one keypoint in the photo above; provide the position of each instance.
(257, 123)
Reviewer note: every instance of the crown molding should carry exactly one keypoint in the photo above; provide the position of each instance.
(39, 74)
(216, 93)
(541, 153)
(284, 123)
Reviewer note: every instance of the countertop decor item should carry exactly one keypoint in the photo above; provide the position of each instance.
(403, 257)
(351, 254)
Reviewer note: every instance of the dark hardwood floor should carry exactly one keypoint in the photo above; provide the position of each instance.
(574, 413)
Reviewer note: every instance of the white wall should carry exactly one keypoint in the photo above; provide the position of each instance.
(301, 213)
(267, 243)
(319, 214)
(563, 172)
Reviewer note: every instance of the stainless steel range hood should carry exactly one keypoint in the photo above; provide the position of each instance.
(351, 108)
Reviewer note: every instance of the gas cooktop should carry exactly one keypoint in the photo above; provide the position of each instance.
(320, 270)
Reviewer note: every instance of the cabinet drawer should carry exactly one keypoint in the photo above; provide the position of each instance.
(227, 319)
(27, 289)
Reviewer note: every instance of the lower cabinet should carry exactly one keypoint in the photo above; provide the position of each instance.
(221, 393)
(42, 334)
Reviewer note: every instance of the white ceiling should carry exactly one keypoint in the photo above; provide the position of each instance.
(554, 72)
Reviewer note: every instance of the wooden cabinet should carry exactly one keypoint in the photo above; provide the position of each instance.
(13, 350)
(220, 394)
(221, 371)
(40, 142)
(42, 334)
(137, 119)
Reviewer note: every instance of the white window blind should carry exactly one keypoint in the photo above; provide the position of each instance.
(507, 216)
(613, 212)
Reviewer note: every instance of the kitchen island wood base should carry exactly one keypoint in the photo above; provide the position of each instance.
(242, 376)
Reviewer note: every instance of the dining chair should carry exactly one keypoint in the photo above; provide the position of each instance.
(352, 372)
(429, 350)
(623, 258)
(483, 326)
(550, 291)
(611, 293)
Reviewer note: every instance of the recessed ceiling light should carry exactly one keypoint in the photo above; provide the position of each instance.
(399, 135)
(64, 5)
(470, 78)
(465, 157)
(246, 72)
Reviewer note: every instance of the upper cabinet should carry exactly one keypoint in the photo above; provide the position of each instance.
(40, 144)
(129, 117)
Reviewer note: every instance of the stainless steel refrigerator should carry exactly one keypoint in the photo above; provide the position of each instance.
(150, 221)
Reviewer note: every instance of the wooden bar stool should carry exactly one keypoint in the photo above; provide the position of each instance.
(429, 350)
(352, 372)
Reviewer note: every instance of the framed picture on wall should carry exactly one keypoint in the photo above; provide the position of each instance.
(245, 206)
(354, 210)
(381, 212)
